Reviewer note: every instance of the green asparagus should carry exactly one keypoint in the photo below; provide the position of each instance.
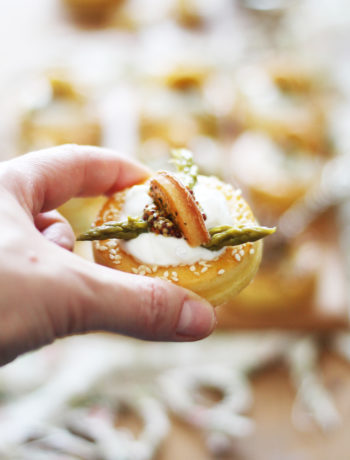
(125, 230)
(226, 235)
(220, 236)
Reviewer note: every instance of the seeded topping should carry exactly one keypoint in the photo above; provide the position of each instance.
(159, 222)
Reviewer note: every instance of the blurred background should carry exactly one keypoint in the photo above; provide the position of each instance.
(259, 90)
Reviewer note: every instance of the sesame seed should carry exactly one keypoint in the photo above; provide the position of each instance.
(197, 273)
(142, 272)
(192, 268)
(111, 256)
(241, 252)
(238, 257)
(221, 272)
(154, 268)
(134, 270)
(204, 269)
(252, 251)
(101, 247)
(166, 274)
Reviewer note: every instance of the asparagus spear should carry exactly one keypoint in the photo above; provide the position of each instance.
(220, 236)
(125, 230)
(233, 236)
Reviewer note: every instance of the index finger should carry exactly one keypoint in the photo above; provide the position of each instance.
(46, 179)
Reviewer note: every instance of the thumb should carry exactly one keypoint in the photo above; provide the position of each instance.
(100, 298)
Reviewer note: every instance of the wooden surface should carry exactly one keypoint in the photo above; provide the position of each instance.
(275, 437)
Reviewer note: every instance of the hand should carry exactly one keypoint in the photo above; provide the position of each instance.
(48, 292)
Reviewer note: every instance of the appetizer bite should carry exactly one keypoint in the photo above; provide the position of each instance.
(183, 227)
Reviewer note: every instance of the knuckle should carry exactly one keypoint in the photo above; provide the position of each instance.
(70, 148)
(158, 316)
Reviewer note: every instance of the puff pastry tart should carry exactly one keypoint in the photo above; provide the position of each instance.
(192, 230)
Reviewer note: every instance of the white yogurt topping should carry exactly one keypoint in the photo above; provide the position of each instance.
(152, 249)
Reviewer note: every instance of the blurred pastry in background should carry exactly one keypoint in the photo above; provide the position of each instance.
(301, 286)
(286, 281)
(62, 114)
(301, 283)
(196, 14)
(274, 178)
(186, 77)
(272, 100)
(279, 158)
(297, 77)
(188, 14)
(174, 110)
(175, 118)
(91, 11)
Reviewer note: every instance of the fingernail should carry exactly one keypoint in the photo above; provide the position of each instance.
(197, 319)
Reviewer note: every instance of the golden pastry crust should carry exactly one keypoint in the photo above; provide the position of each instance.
(273, 292)
(218, 280)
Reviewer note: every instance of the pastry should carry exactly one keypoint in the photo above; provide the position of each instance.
(274, 178)
(174, 117)
(91, 11)
(62, 114)
(194, 230)
(286, 280)
(294, 121)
